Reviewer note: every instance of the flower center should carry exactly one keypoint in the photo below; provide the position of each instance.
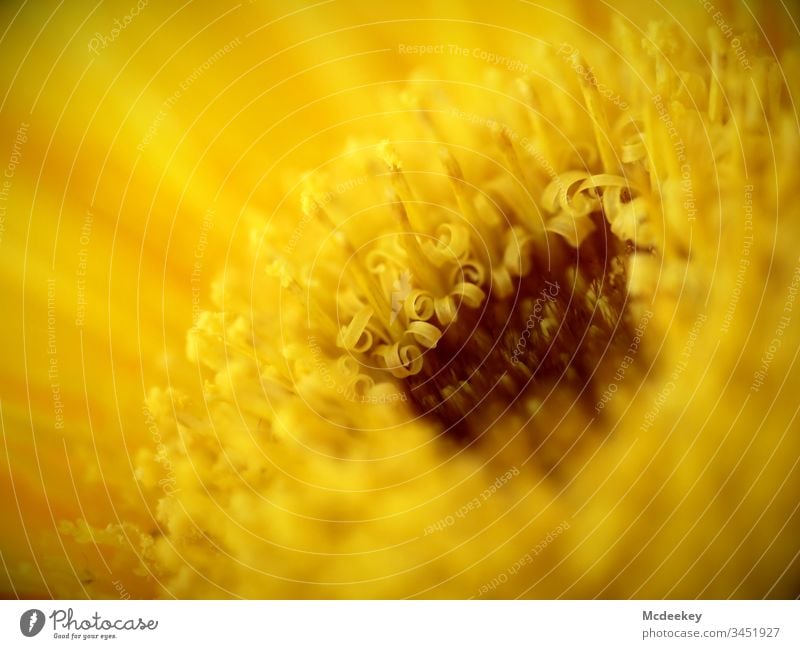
(457, 268)
(559, 328)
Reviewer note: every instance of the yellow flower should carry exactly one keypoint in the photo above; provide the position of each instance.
(481, 302)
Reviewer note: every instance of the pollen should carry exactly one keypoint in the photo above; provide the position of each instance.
(516, 275)
(466, 292)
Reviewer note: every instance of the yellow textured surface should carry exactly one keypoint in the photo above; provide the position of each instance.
(315, 202)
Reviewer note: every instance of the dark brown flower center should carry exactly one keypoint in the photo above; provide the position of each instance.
(562, 329)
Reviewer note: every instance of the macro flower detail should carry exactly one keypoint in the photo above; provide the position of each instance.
(507, 311)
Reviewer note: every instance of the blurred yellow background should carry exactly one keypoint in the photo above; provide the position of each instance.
(146, 150)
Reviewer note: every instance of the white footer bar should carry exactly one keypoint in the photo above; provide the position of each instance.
(400, 624)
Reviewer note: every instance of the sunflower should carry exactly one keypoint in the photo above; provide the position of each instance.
(413, 301)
